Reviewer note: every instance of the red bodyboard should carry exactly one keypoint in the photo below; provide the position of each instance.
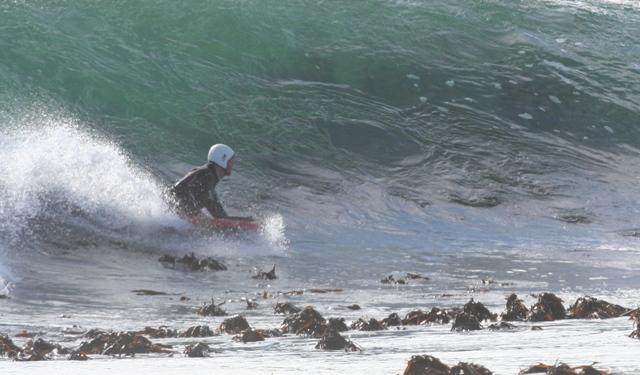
(225, 223)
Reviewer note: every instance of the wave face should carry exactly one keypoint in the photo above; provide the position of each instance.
(398, 117)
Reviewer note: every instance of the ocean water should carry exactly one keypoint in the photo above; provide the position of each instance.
(463, 140)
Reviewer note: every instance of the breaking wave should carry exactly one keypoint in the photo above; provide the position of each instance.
(64, 187)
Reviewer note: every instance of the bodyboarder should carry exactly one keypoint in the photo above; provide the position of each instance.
(196, 190)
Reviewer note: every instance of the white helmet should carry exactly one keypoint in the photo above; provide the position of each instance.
(220, 154)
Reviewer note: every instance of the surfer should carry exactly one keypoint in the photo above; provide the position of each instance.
(196, 190)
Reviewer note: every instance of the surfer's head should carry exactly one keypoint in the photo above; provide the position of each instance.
(222, 156)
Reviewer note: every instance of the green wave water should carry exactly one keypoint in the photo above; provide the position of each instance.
(510, 96)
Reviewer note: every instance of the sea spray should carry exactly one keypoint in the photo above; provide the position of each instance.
(273, 231)
(51, 161)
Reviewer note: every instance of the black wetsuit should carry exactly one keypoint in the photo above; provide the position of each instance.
(196, 191)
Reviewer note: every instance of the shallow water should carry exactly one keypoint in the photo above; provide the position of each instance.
(67, 297)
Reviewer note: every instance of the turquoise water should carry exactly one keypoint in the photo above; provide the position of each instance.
(394, 116)
(409, 121)
(295, 79)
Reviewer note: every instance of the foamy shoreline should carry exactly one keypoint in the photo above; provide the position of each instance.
(572, 341)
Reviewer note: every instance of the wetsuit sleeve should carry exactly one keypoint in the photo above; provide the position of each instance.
(213, 205)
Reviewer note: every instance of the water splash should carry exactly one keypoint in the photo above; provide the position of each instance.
(6, 287)
(273, 231)
(52, 169)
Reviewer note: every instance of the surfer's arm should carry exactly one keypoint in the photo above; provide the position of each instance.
(214, 206)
